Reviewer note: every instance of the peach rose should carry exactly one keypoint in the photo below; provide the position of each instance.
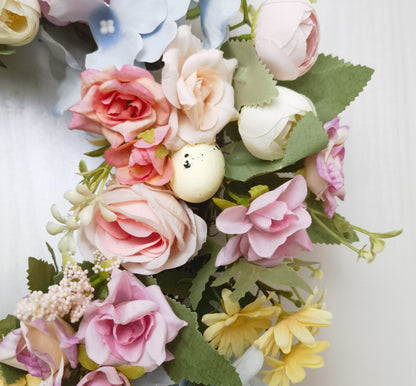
(119, 104)
(151, 230)
(197, 83)
(286, 37)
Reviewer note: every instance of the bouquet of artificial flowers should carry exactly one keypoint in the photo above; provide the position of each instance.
(183, 254)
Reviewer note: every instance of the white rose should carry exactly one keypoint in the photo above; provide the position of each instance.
(19, 21)
(265, 130)
(197, 83)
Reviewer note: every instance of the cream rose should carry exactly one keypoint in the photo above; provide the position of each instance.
(197, 83)
(19, 21)
(265, 130)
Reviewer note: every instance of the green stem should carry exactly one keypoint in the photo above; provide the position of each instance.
(295, 291)
(246, 18)
(330, 231)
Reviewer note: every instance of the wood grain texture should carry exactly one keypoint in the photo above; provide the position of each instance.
(372, 338)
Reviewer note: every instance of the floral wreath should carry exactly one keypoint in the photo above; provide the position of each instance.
(221, 165)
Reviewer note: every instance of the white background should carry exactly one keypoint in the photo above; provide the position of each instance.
(373, 332)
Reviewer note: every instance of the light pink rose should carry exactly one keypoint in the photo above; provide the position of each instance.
(104, 376)
(323, 171)
(138, 161)
(271, 228)
(131, 326)
(286, 37)
(197, 83)
(119, 104)
(152, 230)
(41, 348)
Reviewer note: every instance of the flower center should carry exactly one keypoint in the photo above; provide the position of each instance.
(107, 27)
(13, 21)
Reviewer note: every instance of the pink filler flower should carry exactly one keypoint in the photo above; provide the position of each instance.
(323, 171)
(131, 326)
(271, 228)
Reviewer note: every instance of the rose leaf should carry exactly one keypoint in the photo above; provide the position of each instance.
(195, 359)
(331, 84)
(253, 84)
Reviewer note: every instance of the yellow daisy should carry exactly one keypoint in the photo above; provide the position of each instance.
(233, 331)
(295, 324)
(290, 367)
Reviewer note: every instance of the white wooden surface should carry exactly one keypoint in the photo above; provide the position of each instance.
(373, 333)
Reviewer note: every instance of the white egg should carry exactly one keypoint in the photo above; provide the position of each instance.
(198, 171)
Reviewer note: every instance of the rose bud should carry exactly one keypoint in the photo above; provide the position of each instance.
(265, 130)
(286, 36)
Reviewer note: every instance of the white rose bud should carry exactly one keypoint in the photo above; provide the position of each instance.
(265, 130)
(19, 21)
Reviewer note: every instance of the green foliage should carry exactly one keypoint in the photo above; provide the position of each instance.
(175, 282)
(11, 374)
(6, 50)
(98, 152)
(308, 137)
(195, 360)
(40, 275)
(253, 84)
(201, 279)
(331, 84)
(9, 323)
(246, 274)
(319, 234)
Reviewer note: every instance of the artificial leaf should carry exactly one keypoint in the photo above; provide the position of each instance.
(9, 323)
(195, 359)
(175, 282)
(161, 151)
(6, 50)
(223, 204)
(40, 275)
(85, 360)
(308, 137)
(99, 142)
(203, 275)
(131, 372)
(10, 374)
(147, 136)
(98, 152)
(246, 274)
(388, 235)
(147, 280)
(331, 84)
(322, 228)
(253, 84)
(257, 191)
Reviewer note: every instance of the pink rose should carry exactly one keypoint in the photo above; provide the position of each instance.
(151, 230)
(131, 326)
(104, 376)
(197, 83)
(286, 37)
(271, 228)
(41, 348)
(323, 171)
(119, 104)
(138, 161)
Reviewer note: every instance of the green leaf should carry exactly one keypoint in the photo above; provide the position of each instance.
(388, 235)
(257, 191)
(308, 137)
(253, 84)
(147, 136)
(98, 152)
(246, 275)
(175, 282)
(203, 275)
(195, 359)
(147, 280)
(6, 50)
(40, 275)
(331, 84)
(223, 204)
(161, 151)
(338, 225)
(11, 374)
(99, 142)
(9, 323)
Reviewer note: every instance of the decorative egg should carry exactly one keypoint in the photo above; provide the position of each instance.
(198, 171)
